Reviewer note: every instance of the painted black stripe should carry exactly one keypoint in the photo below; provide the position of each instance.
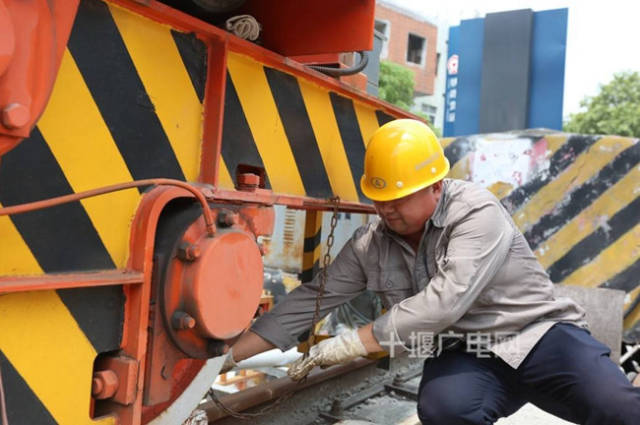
(588, 248)
(383, 117)
(23, 406)
(458, 149)
(560, 160)
(238, 145)
(312, 242)
(61, 238)
(584, 195)
(194, 56)
(308, 274)
(105, 64)
(100, 313)
(627, 280)
(297, 126)
(351, 137)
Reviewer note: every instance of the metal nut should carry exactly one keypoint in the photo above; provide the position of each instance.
(188, 252)
(104, 384)
(15, 115)
(228, 218)
(181, 320)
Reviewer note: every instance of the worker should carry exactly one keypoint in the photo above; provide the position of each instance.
(463, 289)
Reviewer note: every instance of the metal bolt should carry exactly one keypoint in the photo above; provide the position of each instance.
(181, 320)
(15, 115)
(227, 218)
(188, 252)
(248, 181)
(104, 384)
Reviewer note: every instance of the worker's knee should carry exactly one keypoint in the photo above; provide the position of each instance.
(447, 409)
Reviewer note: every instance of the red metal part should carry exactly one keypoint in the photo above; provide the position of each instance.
(227, 271)
(312, 27)
(116, 378)
(33, 36)
(69, 280)
(104, 384)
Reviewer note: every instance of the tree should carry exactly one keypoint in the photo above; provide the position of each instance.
(614, 110)
(395, 85)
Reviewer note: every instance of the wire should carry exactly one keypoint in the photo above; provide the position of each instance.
(3, 406)
(59, 200)
(342, 72)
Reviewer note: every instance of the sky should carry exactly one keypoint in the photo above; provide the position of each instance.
(603, 37)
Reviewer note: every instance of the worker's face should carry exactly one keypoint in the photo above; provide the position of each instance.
(408, 215)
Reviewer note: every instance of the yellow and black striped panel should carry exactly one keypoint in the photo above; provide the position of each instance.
(312, 245)
(310, 140)
(579, 213)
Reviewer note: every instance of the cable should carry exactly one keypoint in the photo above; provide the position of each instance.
(52, 202)
(343, 72)
(3, 406)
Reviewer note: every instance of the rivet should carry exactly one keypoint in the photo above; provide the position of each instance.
(433, 170)
(15, 115)
(399, 185)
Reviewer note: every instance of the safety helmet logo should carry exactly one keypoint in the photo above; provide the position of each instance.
(378, 183)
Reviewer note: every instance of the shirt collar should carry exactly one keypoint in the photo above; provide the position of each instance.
(437, 218)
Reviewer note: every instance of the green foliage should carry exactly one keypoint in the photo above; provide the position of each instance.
(615, 110)
(396, 84)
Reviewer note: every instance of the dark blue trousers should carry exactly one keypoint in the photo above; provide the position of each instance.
(568, 374)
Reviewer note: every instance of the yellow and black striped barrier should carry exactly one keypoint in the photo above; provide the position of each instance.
(578, 207)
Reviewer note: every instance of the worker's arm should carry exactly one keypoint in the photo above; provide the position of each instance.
(292, 316)
(478, 245)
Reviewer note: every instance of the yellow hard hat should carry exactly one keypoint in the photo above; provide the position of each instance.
(402, 157)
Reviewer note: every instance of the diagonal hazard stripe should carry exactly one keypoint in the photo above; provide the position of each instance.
(69, 241)
(458, 149)
(194, 57)
(588, 220)
(82, 145)
(351, 137)
(602, 251)
(15, 256)
(260, 110)
(23, 407)
(238, 146)
(327, 134)
(563, 157)
(383, 118)
(297, 126)
(586, 197)
(45, 346)
(582, 169)
(367, 121)
(627, 280)
(167, 83)
(102, 57)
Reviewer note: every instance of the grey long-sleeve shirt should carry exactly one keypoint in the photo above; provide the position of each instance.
(473, 274)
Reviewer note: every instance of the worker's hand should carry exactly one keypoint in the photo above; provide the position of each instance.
(229, 363)
(340, 349)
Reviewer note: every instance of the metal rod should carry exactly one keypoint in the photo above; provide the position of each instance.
(271, 390)
(52, 202)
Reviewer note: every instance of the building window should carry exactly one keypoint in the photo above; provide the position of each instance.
(416, 49)
(384, 27)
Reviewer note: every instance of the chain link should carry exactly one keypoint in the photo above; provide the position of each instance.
(326, 260)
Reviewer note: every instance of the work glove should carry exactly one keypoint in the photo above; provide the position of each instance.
(229, 363)
(339, 349)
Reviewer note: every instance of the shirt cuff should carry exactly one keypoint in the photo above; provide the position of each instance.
(268, 327)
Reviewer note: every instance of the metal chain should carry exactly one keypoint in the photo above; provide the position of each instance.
(323, 274)
(326, 260)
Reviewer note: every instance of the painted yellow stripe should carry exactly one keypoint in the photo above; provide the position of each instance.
(367, 121)
(584, 167)
(15, 256)
(554, 141)
(634, 317)
(608, 204)
(446, 141)
(45, 345)
(262, 115)
(334, 157)
(224, 178)
(462, 168)
(160, 66)
(83, 146)
(309, 258)
(611, 261)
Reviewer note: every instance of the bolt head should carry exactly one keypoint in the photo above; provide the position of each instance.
(15, 115)
(188, 252)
